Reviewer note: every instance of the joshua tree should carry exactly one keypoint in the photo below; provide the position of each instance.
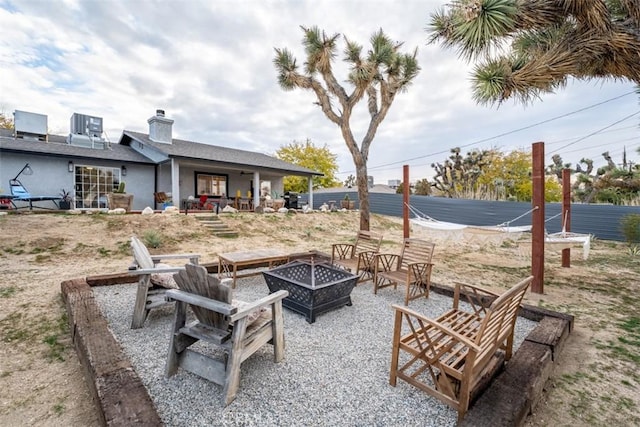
(526, 48)
(379, 75)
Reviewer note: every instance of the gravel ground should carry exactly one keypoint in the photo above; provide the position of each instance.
(335, 371)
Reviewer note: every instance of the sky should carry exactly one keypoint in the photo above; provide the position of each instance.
(209, 65)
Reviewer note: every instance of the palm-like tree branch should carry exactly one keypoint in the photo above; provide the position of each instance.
(546, 42)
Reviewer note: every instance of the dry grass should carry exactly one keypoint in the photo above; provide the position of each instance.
(597, 381)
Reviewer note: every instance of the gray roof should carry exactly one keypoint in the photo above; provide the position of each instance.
(194, 150)
(57, 146)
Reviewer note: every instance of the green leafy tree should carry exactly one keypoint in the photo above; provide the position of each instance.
(377, 75)
(309, 156)
(457, 176)
(400, 189)
(350, 181)
(5, 122)
(423, 187)
(525, 48)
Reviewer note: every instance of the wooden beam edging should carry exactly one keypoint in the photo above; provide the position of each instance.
(123, 400)
(120, 396)
(516, 391)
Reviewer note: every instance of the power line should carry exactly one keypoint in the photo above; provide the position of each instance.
(595, 133)
(499, 135)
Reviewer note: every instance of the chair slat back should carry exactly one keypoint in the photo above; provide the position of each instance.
(367, 241)
(196, 280)
(18, 190)
(501, 316)
(141, 253)
(415, 250)
(160, 197)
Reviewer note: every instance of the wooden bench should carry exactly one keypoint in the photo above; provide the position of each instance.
(358, 257)
(412, 267)
(448, 357)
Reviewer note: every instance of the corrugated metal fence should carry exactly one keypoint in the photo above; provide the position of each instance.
(603, 221)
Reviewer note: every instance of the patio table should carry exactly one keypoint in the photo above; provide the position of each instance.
(229, 262)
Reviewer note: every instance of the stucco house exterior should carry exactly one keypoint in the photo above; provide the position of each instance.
(89, 167)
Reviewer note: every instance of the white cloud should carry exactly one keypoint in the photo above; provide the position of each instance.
(209, 66)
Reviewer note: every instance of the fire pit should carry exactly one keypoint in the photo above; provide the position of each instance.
(313, 288)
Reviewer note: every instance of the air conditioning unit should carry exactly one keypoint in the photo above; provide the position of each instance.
(81, 124)
(30, 125)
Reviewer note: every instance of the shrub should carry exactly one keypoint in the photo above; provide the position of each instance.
(152, 238)
(630, 226)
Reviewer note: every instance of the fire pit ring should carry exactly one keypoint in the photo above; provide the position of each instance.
(314, 288)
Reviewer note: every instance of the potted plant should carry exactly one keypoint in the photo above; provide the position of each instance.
(120, 199)
(347, 203)
(65, 200)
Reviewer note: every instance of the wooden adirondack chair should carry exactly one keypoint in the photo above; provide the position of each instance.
(412, 267)
(358, 257)
(223, 324)
(151, 295)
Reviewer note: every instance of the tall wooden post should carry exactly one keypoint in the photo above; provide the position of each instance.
(566, 213)
(406, 189)
(537, 223)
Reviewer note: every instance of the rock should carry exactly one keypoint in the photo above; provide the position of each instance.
(116, 211)
(147, 211)
(171, 210)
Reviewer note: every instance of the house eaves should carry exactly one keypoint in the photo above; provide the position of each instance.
(233, 157)
(57, 146)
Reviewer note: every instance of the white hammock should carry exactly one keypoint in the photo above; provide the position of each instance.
(566, 240)
(495, 234)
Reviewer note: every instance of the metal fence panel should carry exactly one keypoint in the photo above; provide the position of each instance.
(603, 221)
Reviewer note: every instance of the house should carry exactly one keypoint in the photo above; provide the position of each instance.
(148, 163)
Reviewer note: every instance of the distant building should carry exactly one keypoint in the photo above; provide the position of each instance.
(394, 183)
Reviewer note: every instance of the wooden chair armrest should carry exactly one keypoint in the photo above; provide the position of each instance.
(384, 262)
(200, 301)
(270, 299)
(157, 258)
(476, 296)
(342, 251)
(143, 271)
(419, 263)
(450, 333)
(478, 289)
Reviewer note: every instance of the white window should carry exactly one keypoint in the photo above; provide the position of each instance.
(92, 185)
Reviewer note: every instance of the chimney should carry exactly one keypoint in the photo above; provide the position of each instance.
(160, 128)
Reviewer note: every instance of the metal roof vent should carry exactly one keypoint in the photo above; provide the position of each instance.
(30, 125)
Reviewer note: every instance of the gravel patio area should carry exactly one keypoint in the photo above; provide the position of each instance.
(335, 371)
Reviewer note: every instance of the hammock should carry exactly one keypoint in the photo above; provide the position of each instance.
(566, 239)
(496, 234)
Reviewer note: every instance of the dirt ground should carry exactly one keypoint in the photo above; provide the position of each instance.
(597, 380)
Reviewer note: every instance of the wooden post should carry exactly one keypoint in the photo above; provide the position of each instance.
(566, 213)
(406, 189)
(537, 223)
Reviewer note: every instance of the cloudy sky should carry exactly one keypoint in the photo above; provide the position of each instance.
(208, 64)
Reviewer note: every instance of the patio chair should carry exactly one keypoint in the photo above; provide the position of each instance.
(358, 257)
(238, 329)
(154, 279)
(20, 194)
(412, 267)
